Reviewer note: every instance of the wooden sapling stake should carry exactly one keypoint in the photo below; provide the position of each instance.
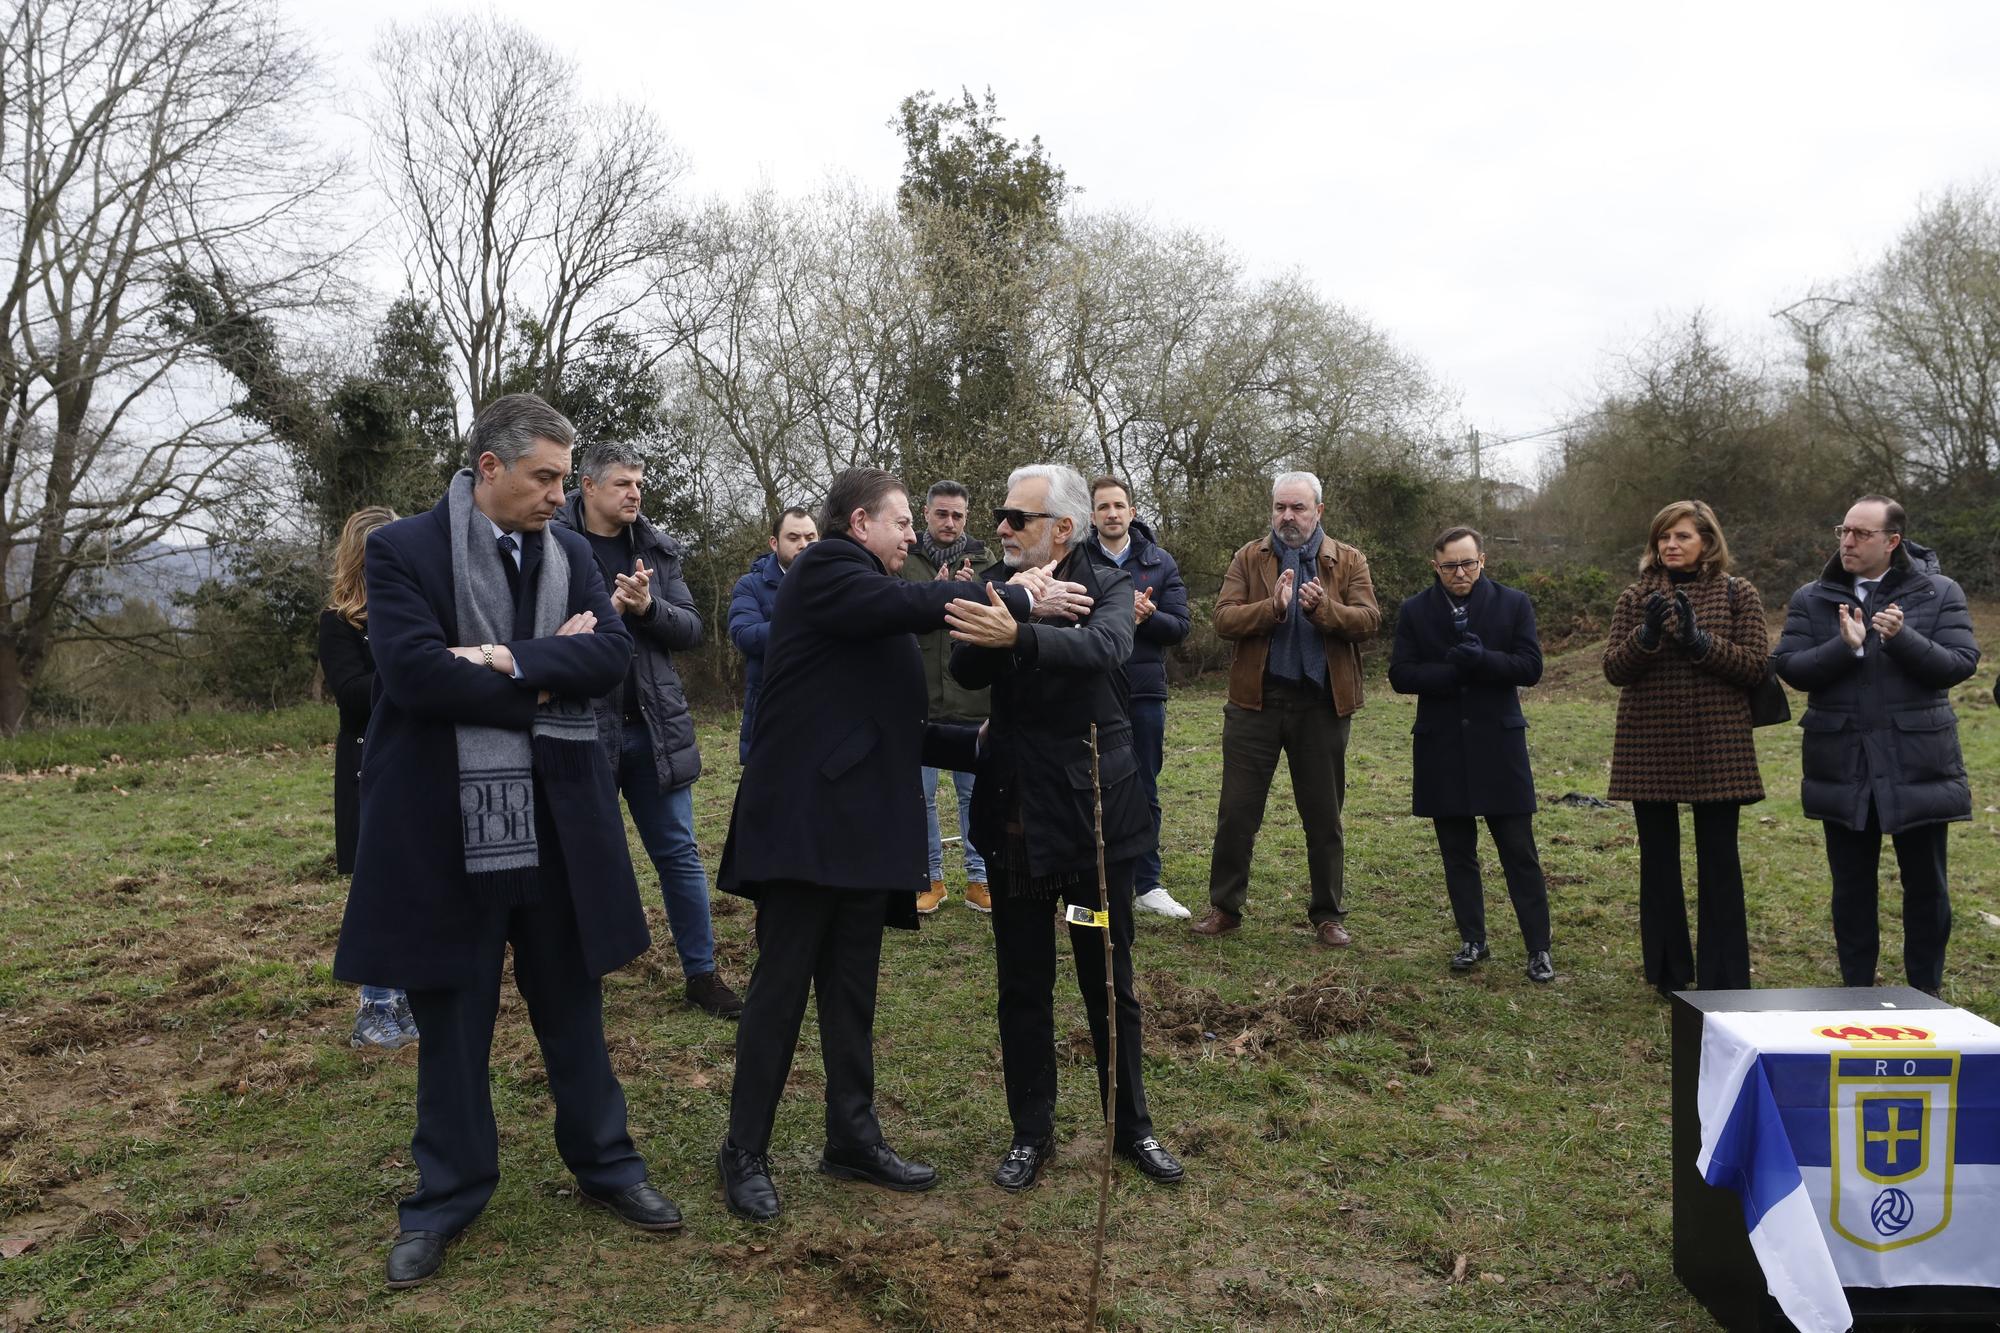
(1111, 1035)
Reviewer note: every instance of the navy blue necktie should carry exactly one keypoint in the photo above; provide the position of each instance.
(507, 548)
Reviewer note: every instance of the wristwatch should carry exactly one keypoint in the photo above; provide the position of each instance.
(486, 651)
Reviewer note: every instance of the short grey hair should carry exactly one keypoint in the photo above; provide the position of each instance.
(1284, 479)
(508, 427)
(1069, 493)
(601, 457)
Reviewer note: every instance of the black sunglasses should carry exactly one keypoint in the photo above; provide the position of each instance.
(1017, 519)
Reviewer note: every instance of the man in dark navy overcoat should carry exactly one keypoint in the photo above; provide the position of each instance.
(828, 830)
(1466, 647)
(488, 818)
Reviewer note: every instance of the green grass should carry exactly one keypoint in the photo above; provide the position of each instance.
(189, 1144)
(302, 726)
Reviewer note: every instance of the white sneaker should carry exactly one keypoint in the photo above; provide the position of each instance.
(1161, 903)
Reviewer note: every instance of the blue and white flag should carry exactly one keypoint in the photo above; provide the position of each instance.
(1865, 1147)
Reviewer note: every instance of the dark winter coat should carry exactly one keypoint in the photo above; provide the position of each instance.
(1683, 730)
(1346, 618)
(670, 625)
(1058, 679)
(949, 700)
(749, 626)
(1880, 726)
(1154, 571)
(833, 794)
(1469, 746)
(409, 911)
(349, 669)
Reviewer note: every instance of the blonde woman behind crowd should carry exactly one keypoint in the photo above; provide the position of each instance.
(383, 1018)
(1688, 641)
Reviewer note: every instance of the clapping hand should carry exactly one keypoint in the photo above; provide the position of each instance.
(1311, 594)
(965, 574)
(1281, 595)
(1142, 606)
(1466, 652)
(632, 594)
(1658, 608)
(987, 624)
(1888, 620)
(1853, 626)
(1692, 636)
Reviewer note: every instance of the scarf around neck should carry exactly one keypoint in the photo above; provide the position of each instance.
(497, 766)
(940, 556)
(1297, 653)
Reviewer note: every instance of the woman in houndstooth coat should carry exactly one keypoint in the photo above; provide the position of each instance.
(1688, 641)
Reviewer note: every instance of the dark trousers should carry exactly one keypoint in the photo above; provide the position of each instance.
(828, 942)
(1514, 839)
(1024, 947)
(1670, 958)
(1149, 742)
(1854, 857)
(1299, 722)
(457, 1146)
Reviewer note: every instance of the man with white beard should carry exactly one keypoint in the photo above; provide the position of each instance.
(1033, 815)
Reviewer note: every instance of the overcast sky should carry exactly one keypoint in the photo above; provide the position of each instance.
(1513, 191)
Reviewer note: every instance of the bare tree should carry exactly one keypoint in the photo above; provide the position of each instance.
(1196, 383)
(796, 323)
(1915, 369)
(530, 218)
(141, 142)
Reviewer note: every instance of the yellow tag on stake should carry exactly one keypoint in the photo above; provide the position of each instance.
(1079, 915)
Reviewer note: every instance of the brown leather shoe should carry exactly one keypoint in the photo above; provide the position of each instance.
(1215, 921)
(977, 897)
(930, 901)
(1332, 935)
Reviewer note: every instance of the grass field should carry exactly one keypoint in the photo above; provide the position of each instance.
(186, 1141)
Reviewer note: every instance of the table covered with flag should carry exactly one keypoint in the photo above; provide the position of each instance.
(1865, 1148)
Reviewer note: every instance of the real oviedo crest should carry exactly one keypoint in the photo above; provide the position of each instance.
(1893, 1120)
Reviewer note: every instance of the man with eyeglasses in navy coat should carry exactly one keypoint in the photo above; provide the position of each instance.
(1466, 647)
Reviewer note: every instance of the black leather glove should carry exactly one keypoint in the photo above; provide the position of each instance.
(1466, 652)
(1657, 607)
(1693, 637)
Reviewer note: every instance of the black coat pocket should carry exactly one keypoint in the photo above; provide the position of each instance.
(1927, 745)
(853, 748)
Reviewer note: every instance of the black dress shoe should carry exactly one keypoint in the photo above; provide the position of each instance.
(1022, 1165)
(878, 1165)
(1153, 1160)
(1541, 967)
(639, 1205)
(746, 1183)
(414, 1257)
(1469, 954)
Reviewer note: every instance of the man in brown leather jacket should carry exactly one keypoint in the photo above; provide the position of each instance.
(1298, 604)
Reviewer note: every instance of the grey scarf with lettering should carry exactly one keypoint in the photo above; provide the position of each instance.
(497, 766)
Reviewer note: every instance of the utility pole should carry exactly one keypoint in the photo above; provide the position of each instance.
(1807, 317)
(1478, 482)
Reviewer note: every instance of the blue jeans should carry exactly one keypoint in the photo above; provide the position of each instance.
(665, 820)
(1149, 740)
(379, 994)
(975, 864)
